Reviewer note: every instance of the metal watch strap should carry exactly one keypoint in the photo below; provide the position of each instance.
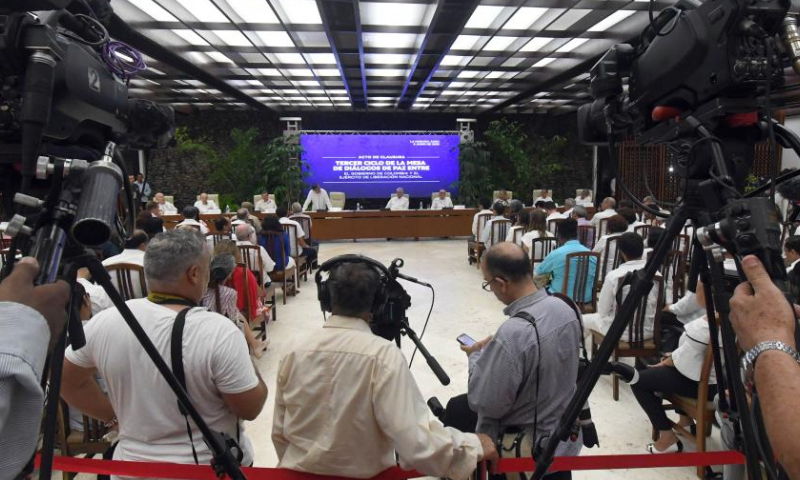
(750, 357)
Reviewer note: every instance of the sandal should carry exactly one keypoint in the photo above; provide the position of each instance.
(674, 448)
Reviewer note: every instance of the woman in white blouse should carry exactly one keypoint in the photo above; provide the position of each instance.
(537, 228)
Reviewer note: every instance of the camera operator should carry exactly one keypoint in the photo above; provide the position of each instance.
(346, 401)
(31, 318)
(764, 321)
(521, 379)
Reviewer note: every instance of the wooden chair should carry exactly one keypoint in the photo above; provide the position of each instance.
(216, 238)
(122, 278)
(474, 246)
(499, 231)
(610, 258)
(579, 265)
(300, 261)
(586, 235)
(248, 300)
(673, 270)
(305, 224)
(89, 442)
(252, 259)
(287, 278)
(602, 228)
(699, 408)
(516, 235)
(643, 230)
(540, 249)
(637, 345)
(552, 226)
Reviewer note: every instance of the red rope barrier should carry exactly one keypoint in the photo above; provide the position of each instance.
(203, 472)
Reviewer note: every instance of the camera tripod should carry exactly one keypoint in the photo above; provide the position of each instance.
(743, 228)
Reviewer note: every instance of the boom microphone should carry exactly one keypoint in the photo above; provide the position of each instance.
(394, 270)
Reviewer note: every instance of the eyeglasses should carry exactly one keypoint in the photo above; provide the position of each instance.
(487, 285)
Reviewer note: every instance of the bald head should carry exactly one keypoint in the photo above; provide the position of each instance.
(244, 232)
(508, 261)
(609, 202)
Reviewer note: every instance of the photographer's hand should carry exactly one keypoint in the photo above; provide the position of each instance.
(49, 300)
(759, 311)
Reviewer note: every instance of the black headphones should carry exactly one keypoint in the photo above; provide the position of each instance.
(323, 291)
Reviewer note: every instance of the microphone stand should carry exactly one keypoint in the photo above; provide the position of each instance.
(406, 330)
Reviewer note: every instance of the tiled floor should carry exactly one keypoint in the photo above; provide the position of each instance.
(461, 307)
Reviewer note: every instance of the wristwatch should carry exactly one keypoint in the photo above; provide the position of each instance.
(749, 358)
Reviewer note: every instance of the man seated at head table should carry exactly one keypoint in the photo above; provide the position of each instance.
(441, 201)
(398, 201)
(585, 198)
(164, 206)
(544, 196)
(266, 203)
(502, 197)
(205, 205)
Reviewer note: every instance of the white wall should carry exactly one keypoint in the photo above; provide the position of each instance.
(790, 159)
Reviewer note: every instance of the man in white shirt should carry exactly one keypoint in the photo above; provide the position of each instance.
(441, 201)
(791, 249)
(630, 216)
(498, 209)
(133, 253)
(220, 377)
(631, 247)
(584, 199)
(205, 205)
(552, 214)
(607, 210)
(483, 207)
(544, 196)
(98, 297)
(143, 188)
(569, 204)
(164, 206)
(318, 198)
(246, 235)
(502, 197)
(346, 402)
(398, 201)
(191, 218)
(305, 249)
(266, 204)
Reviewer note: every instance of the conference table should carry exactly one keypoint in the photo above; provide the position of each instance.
(364, 224)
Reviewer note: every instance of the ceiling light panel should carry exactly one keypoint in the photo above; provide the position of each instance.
(568, 18)
(392, 14)
(289, 57)
(385, 72)
(457, 60)
(544, 62)
(327, 72)
(191, 37)
(484, 16)
(154, 10)
(300, 11)
(572, 45)
(611, 20)
(204, 10)
(389, 40)
(524, 18)
(300, 72)
(387, 58)
(253, 11)
(232, 38)
(465, 42)
(219, 57)
(321, 58)
(536, 44)
(276, 39)
(498, 43)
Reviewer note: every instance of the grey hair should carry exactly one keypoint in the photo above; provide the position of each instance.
(580, 211)
(222, 266)
(569, 203)
(170, 253)
(297, 208)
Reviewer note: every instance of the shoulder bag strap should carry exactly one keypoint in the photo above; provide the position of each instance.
(577, 311)
(532, 320)
(176, 354)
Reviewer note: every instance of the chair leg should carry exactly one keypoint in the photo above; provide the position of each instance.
(700, 437)
(285, 288)
(615, 381)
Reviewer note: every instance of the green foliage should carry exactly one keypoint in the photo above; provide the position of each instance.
(474, 176)
(198, 145)
(285, 168)
(230, 200)
(239, 171)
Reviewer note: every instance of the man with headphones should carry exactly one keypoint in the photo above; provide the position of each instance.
(522, 378)
(346, 400)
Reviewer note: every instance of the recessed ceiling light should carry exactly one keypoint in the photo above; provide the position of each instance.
(393, 14)
(458, 60)
(524, 18)
(219, 57)
(483, 16)
(465, 42)
(536, 44)
(204, 10)
(232, 38)
(289, 58)
(389, 40)
(300, 72)
(467, 74)
(301, 11)
(321, 58)
(276, 39)
(191, 37)
(253, 11)
(568, 18)
(544, 62)
(572, 45)
(611, 20)
(327, 72)
(499, 43)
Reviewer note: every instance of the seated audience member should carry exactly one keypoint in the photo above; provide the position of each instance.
(191, 218)
(552, 214)
(514, 208)
(151, 225)
(265, 204)
(246, 236)
(569, 204)
(223, 300)
(97, 295)
(502, 389)
(398, 201)
(502, 197)
(617, 225)
(651, 219)
(204, 205)
(133, 253)
(441, 201)
(164, 206)
(318, 198)
(220, 376)
(483, 207)
(555, 264)
(237, 281)
(678, 374)
(242, 217)
(630, 216)
(584, 199)
(606, 211)
(653, 236)
(631, 248)
(579, 214)
(519, 229)
(539, 205)
(498, 209)
(271, 224)
(297, 212)
(537, 228)
(305, 249)
(252, 219)
(544, 196)
(791, 251)
(346, 403)
(223, 226)
(153, 209)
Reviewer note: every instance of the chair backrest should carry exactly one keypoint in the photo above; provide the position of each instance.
(610, 258)
(552, 226)
(541, 248)
(649, 307)
(212, 196)
(580, 278)
(579, 190)
(251, 258)
(673, 270)
(294, 246)
(247, 300)
(643, 230)
(482, 219)
(499, 231)
(129, 279)
(537, 192)
(170, 199)
(216, 238)
(516, 235)
(275, 249)
(586, 235)
(305, 224)
(496, 194)
(436, 194)
(682, 242)
(91, 442)
(602, 227)
(337, 199)
(257, 198)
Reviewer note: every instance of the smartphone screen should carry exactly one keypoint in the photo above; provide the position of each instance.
(465, 340)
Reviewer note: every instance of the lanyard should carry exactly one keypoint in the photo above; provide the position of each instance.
(167, 299)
